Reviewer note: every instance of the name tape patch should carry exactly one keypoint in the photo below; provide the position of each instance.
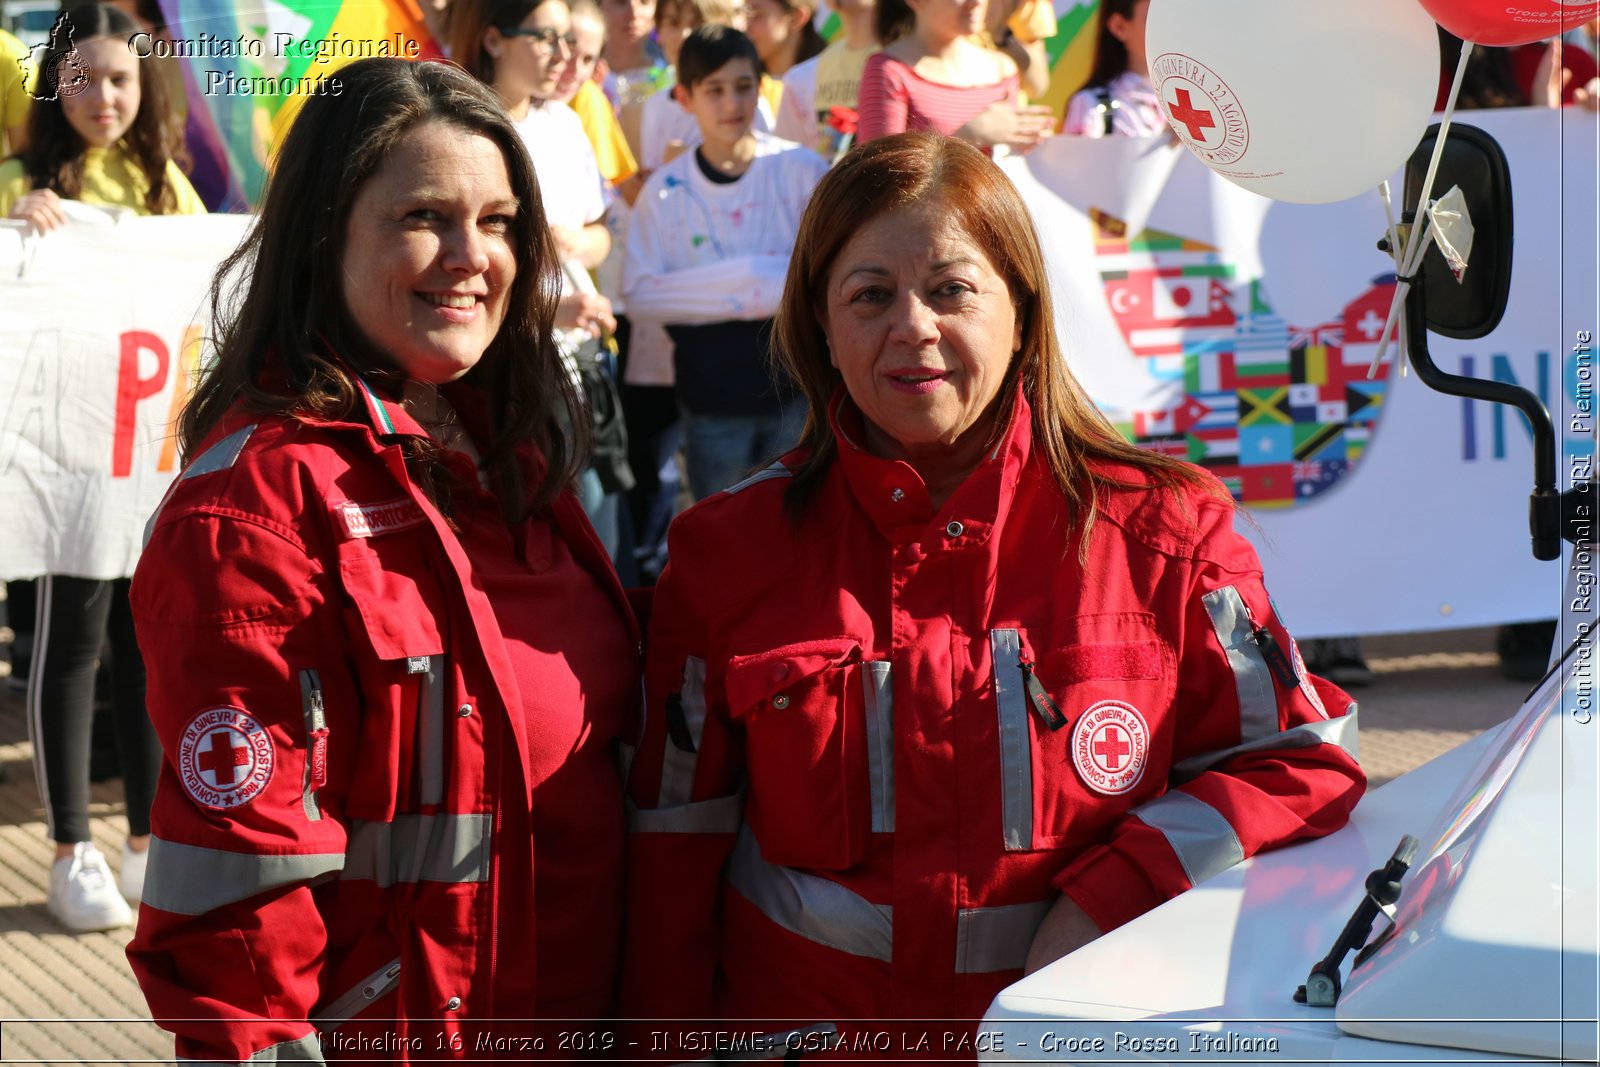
(374, 520)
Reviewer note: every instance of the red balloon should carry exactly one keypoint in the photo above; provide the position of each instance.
(1510, 22)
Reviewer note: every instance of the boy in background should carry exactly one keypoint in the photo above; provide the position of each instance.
(708, 251)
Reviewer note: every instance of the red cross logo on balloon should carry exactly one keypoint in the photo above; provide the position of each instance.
(1196, 120)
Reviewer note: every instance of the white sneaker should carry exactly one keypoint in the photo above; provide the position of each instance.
(82, 894)
(131, 881)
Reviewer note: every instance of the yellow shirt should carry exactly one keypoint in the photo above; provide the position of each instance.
(772, 93)
(14, 101)
(111, 178)
(605, 134)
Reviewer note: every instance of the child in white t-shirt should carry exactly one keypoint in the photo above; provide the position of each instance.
(708, 251)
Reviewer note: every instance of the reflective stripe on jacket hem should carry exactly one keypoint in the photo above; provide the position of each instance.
(1342, 731)
(300, 1050)
(352, 1003)
(1202, 837)
(420, 848)
(997, 939)
(814, 908)
(190, 880)
(1252, 678)
(677, 765)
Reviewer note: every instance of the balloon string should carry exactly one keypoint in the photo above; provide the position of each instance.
(1395, 252)
(1414, 246)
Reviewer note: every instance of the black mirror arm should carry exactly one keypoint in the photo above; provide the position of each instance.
(1544, 506)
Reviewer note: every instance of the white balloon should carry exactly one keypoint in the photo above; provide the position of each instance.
(1295, 100)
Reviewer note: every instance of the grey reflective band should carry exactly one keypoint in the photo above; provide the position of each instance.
(720, 815)
(1016, 756)
(190, 880)
(997, 939)
(813, 908)
(1203, 839)
(1252, 678)
(766, 474)
(1342, 731)
(431, 722)
(678, 766)
(310, 699)
(878, 691)
(420, 848)
(301, 1050)
(353, 1002)
(220, 456)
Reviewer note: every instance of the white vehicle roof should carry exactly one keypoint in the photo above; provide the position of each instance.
(1494, 951)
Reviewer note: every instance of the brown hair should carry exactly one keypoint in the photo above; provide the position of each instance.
(277, 299)
(54, 156)
(704, 12)
(471, 19)
(911, 169)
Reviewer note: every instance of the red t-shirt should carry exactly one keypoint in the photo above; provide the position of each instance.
(895, 98)
(578, 674)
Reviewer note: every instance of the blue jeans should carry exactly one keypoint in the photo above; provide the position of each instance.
(602, 509)
(723, 449)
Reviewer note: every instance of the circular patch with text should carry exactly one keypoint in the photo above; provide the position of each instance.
(225, 758)
(1110, 747)
(1201, 109)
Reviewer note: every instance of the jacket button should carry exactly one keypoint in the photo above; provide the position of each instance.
(453, 1004)
(464, 711)
(955, 529)
(898, 495)
(780, 701)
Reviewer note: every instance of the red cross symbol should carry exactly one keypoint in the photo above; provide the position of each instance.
(1111, 748)
(1185, 113)
(222, 759)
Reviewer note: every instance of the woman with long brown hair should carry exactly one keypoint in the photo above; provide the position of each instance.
(965, 679)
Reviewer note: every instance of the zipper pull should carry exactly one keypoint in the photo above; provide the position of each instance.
(318, 738)
(1047, 709)
(1277, 660)
(678, 724)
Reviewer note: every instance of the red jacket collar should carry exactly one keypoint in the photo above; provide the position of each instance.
(893, 494)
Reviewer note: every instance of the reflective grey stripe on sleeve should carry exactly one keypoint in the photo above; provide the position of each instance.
(814, 908)
(190, 880)
(720, 815)
(301, 1050)
(1198, 833)
(431, 723)
(997, 939)
(766, 474)
(1016, 757)
(1252, 678)
(352, 1003)
(878, 689)
(1341, 731)
(420, 848)
(220, 456)
(678, 766)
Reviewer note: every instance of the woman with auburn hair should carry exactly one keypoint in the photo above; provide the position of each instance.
(389, 659)
(965, 679)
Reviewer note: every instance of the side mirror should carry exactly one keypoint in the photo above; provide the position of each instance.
(1472, 160)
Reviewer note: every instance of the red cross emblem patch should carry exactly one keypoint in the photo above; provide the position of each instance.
(225, 758)
(1110, 747)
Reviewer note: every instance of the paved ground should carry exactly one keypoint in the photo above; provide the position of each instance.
(72, 999)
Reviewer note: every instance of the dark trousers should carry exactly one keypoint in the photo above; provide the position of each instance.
(74, 617)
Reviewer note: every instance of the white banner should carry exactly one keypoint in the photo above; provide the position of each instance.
(1236, 332)
(98, 341)
(1225, 328)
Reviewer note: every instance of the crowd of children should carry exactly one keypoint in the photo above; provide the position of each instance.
(676, 143)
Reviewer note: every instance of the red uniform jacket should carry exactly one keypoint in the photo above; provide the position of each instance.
(341, 825)
(879, 742)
